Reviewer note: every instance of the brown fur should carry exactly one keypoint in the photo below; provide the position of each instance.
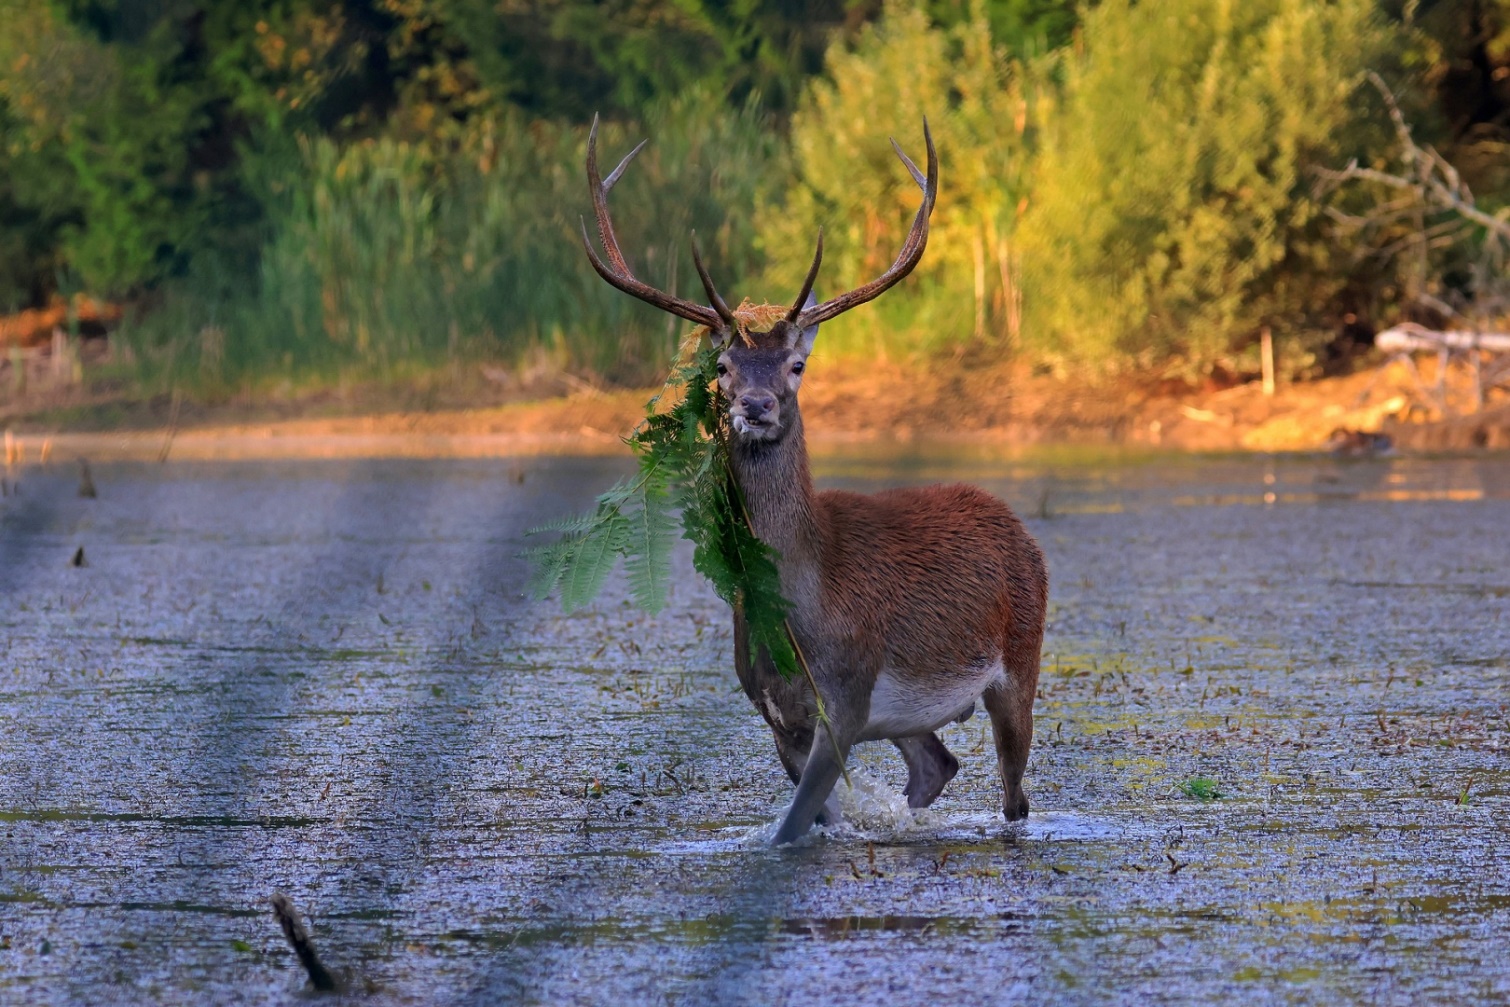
(927, 584)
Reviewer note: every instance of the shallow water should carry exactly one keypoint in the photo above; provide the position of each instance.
(323, 678)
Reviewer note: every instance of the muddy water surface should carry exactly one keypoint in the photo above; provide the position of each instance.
(1271, 761)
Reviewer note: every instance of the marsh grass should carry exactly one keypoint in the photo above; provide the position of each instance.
(388, 261)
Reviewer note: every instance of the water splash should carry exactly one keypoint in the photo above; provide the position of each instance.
(875, 812)
(870, 810)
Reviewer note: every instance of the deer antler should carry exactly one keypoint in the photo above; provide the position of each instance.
(911, 253)
(807, 284)
(717, 317)
(713, 298)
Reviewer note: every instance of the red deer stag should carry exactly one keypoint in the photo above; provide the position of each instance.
(908, 605)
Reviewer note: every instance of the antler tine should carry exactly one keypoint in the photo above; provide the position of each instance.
(713, 298)
(613, 176)
(600, 190)
(807, 284)
(907, 259)
(628, 284)
(616, 271)
(917, 176)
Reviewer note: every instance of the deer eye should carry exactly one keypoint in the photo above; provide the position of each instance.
(722, 370)
(797, 367)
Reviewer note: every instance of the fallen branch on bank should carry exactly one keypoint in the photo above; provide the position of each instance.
(1408, 338)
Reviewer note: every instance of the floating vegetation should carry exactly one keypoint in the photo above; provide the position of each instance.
(1201, 788)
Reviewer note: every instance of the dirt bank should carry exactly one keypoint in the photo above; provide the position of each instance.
(1000, 405)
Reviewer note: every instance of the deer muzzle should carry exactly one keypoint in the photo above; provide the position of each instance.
(755, 417)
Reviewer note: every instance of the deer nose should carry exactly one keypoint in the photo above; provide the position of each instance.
(756, 406)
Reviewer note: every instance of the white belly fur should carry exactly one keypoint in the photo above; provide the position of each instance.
(902, 706)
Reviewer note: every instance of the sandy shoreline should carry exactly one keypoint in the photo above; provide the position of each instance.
(1000, 411)
(288, 442)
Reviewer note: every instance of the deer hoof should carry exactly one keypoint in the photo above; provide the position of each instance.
(927, 780)
(1016, 807)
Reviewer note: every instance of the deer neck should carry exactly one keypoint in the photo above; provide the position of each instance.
(778, 492)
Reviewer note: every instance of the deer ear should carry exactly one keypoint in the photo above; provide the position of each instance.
(718, 337)
(809, 335)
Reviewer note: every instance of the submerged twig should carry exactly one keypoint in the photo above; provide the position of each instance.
(287, 916)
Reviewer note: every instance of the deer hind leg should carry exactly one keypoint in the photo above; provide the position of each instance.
(930, 766)
(1010, 704)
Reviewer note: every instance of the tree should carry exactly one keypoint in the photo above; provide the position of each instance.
(848, 181)
(1171, 210)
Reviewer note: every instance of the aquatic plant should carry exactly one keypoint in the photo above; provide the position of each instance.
(1201, 788)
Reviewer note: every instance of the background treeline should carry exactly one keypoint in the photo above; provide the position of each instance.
(311, 189)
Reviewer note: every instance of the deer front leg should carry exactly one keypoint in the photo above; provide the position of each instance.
(929, 767)
(1011, 708)
(822, 770)
(792, 761)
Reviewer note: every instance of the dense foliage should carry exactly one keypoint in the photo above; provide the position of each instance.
(293, 188)
(1172, 201)
(848, 180)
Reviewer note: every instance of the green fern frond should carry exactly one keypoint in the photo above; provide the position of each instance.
(684, 463)
(550, 566)
(592, 558)
(576, 524)
(648, 556)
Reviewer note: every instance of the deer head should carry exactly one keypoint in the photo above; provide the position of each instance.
(759, 373)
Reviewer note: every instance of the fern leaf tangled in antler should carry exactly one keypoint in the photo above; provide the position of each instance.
(683, 456)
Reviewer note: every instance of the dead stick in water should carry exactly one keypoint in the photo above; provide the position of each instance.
(287, 916)
(162, 455)
(86, 481)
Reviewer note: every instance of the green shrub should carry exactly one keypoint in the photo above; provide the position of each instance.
(94, 153)
(849, 182)
(1171, 212)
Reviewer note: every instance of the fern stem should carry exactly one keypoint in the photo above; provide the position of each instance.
(828, 725)
(786, 624)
